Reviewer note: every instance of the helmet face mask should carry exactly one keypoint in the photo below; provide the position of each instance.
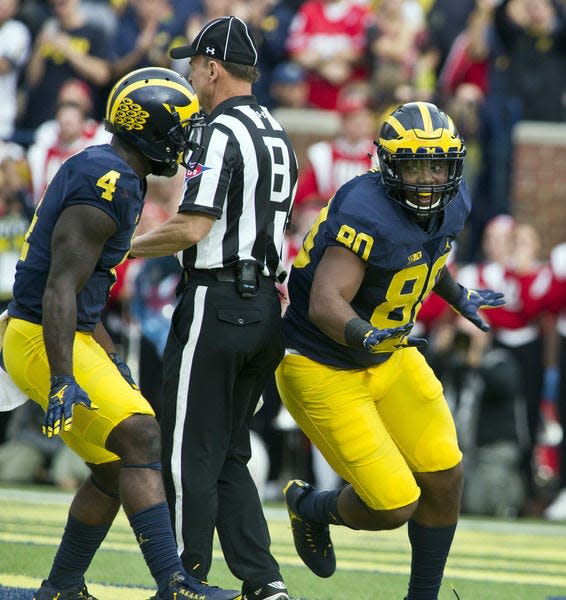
(421, 157)
(154, 110)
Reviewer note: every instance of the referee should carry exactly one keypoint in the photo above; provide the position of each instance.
(225, 338)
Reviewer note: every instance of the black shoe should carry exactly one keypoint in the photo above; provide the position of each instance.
(185, 587)
(275, 590)
(48, 592)
(312, 540)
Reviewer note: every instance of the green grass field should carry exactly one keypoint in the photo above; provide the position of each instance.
(491, 560)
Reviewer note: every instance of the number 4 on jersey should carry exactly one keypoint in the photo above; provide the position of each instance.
(108, 183)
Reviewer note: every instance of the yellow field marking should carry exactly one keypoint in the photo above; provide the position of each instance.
(42, 540)
(108, 592)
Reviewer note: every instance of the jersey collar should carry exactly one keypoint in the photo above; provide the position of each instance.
(231, 103)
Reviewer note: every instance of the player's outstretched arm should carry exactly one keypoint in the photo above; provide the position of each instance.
(467, 302)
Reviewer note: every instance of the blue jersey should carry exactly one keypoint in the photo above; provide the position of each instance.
(99, 177)
(403, 263)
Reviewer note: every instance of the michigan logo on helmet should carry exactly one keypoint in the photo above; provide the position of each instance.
(154, 110)
(421, 156)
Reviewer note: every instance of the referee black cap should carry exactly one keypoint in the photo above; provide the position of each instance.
(226, 38)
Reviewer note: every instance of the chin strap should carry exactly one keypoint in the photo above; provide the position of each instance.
(432, 223)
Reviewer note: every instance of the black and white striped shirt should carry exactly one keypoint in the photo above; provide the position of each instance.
(246, 177)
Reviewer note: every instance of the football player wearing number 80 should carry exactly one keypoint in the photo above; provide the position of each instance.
(352, 376)
(57, 351)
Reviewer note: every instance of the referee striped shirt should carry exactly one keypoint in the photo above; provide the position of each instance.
(246, 177)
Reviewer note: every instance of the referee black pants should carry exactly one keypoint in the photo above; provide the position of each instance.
(529, 357)
(219, 356)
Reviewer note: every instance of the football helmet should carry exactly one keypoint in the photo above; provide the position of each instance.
(420, 132)
(154, 110)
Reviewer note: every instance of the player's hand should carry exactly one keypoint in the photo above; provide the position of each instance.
(471, 301)
(391, 339)
(65, 393)
(124, 369)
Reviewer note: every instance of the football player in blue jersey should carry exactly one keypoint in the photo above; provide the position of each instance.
(353, 377)
(57, 351)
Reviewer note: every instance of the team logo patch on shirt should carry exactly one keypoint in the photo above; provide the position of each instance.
(194, 170)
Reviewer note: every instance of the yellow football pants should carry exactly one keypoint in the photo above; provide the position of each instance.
(26, 363)
(374, 426)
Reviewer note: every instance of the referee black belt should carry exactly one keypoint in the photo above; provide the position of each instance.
(226, 274)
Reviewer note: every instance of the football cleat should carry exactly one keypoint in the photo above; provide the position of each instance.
(185, 587)
(312, 540)
(48, 592)
(276, 590)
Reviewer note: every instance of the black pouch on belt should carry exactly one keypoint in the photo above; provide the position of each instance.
(246, 279)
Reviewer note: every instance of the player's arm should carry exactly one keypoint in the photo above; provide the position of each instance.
(336, 281)
(103, 339)
(76, 245)
(466, 301)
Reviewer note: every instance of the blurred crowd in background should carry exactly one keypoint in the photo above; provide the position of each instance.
(490, 64)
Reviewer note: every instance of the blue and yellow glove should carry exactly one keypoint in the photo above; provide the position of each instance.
(124, 369)
(65, 393)
(391, 339)
(470, 301)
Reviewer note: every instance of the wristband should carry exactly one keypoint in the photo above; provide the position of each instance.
(62, 379)
(448, 289)
(355, 332)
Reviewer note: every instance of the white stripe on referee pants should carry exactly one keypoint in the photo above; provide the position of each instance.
(181, 410)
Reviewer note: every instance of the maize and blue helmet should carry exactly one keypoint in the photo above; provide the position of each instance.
(420, 132)
(154, 110)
